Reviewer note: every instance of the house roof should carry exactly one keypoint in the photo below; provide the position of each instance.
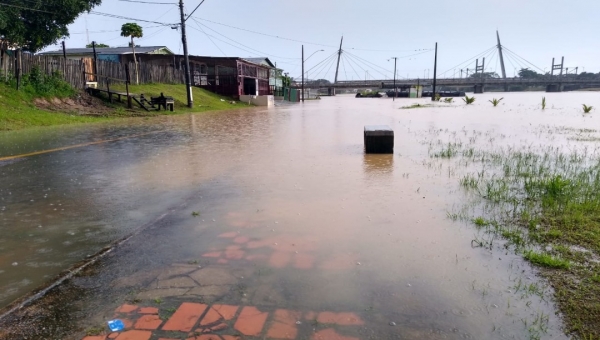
(110, 50)
(260, 61)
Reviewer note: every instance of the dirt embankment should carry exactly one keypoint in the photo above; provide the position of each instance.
(81, 104)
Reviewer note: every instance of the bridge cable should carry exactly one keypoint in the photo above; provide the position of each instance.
(321, 64)
(506, 48)
(344, 67)
(470, 59)
(357, 75)
(321, 73)
(356, 60)
(366, 63)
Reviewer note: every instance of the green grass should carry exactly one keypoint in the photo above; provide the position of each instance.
(545, 198)
(18, 112)
(546, 260)
(203, 100)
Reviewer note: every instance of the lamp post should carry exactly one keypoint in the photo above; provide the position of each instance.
(303, 60)
(395, 89)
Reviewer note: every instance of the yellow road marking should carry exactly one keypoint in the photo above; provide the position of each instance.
(73, 146)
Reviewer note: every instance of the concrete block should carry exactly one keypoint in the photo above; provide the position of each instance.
(379, 139)
(268, 101)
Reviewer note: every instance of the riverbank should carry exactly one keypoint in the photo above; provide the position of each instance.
(22, 110)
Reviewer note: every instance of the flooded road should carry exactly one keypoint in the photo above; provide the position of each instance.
(284, 211)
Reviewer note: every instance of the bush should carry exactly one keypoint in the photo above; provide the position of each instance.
(39, 84)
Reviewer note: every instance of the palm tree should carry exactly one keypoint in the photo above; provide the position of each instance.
(133, 30)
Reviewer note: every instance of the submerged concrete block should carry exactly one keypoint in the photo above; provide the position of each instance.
(379, 139)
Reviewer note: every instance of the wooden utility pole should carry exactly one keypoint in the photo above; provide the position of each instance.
(188, 81)
(434, 74)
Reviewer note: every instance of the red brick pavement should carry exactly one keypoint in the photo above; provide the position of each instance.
(227, 322)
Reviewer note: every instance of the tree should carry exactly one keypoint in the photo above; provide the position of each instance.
(527, 73)
(33, 25)
(485, 75)
(97, 46)
(133, 30)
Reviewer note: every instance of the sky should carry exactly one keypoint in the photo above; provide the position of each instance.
(532, 33)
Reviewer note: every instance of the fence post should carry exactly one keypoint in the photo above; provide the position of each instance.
(17, 69)
(127, 79)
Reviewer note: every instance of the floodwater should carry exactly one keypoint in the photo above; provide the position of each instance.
(289, 204)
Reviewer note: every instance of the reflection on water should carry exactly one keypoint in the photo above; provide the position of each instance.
(287, 200)
(377, 164)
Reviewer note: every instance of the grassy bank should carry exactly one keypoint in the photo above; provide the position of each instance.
(18, 111)
(545, 205)
(30, 108)
(203, 100)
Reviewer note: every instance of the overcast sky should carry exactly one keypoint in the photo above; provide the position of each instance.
(374, 31)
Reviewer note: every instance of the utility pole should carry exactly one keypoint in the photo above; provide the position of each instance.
(337, 69)
(434, 74)
(303, 74)
(188, 82)
(395, 89)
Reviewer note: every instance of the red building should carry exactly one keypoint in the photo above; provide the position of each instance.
(228, 76)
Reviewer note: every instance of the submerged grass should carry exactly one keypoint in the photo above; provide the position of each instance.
(546, 205)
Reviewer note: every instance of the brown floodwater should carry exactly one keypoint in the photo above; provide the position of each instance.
(335, 229)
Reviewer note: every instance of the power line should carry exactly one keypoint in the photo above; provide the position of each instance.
(274, 56)
(209, 38)
(150, 2)
(200, 4)
(264, 34)
(127, 18)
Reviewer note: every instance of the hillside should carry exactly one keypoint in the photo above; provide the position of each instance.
(23, 109)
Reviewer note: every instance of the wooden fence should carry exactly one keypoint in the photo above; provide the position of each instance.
(12, 63)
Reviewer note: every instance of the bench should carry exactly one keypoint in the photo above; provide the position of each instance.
(162, 101)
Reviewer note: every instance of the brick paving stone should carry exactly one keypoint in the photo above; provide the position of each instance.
(284, 325)
(126, 308)
(214, 254)
(234, 254)
(251, 321)
(226, 311)
(127, 323)
(230, 234)
(185, 317)
(342, 319)
(113, 335)
(167, 339)
(135, 335)
(95, 337)
(256, 257)
(241, 239)
(148, 310)
(304, 261)
(211, 317)
(330, 334)
(222, 261)
(280, 259)
(148, 322)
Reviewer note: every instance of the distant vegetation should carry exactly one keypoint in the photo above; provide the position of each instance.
(495, 101)
(469, 100)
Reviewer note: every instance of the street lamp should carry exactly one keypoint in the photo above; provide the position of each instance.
(395, 89)
(303, 60)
